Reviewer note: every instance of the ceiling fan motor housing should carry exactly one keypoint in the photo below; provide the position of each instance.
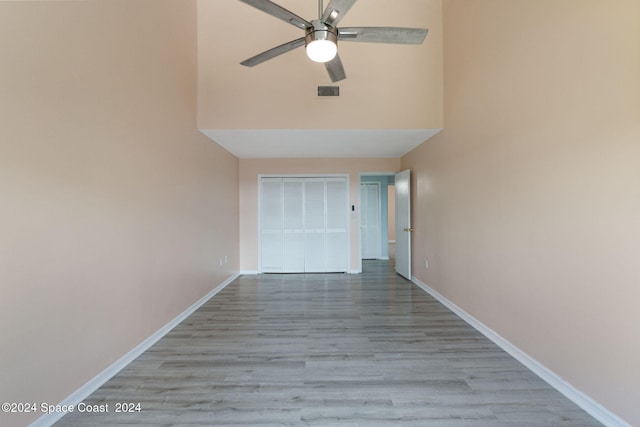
(320, 31)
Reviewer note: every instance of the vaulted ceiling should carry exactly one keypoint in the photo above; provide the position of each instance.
(390, 102)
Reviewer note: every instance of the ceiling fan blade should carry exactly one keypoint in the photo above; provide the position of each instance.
(396, 35)
(335, 11)
(335, 69)
(279, 12)
(272, 53)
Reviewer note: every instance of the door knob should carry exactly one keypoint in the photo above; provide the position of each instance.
(409, 230)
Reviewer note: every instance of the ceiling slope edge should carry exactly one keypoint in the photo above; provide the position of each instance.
(319, 143)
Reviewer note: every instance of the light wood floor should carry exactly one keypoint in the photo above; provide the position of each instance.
(322, 350)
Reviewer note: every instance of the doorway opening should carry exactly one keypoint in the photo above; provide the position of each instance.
(377, 218)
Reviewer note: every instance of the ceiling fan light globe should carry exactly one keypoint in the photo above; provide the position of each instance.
(321, 50)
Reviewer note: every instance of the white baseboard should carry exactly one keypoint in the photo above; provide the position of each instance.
(96, 382)
(592, 407)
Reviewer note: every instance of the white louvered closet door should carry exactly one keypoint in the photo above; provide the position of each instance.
(271, 217)
(293, 226)
(314, 225)
(304, 225)
(336, 238)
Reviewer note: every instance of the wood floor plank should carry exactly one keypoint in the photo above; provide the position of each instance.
(322, 350)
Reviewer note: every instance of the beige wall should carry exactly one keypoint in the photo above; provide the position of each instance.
(282, 93)
(251, 168)
(528, 204)
(115, 210)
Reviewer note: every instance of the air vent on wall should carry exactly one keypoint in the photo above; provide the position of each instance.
(328, 90)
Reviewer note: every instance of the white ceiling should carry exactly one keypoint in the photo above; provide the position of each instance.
(319, 143)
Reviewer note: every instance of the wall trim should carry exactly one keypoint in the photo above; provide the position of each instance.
(96, 382)
(592, 407)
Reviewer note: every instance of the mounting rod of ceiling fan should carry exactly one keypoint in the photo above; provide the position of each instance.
(320, 9)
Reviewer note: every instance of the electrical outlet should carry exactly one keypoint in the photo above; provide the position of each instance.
(426, 263)
(225, 260)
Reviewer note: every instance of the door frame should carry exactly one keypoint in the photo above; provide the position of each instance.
(303, 175)
(379, 211)
(360, 175)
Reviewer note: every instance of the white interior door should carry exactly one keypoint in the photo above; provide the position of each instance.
(403, 223)
(370, 220)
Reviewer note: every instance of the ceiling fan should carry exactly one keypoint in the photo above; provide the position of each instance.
(322, 34)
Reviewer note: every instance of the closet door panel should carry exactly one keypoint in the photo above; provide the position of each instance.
(293, 208)
(336, 252)
(293, 253)
(272, 246)
(314, 205)
(336, 243)
(293, 225)
(314, 224)
(271, 204)
(271, 215)
(337, 204)
(314, 257)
